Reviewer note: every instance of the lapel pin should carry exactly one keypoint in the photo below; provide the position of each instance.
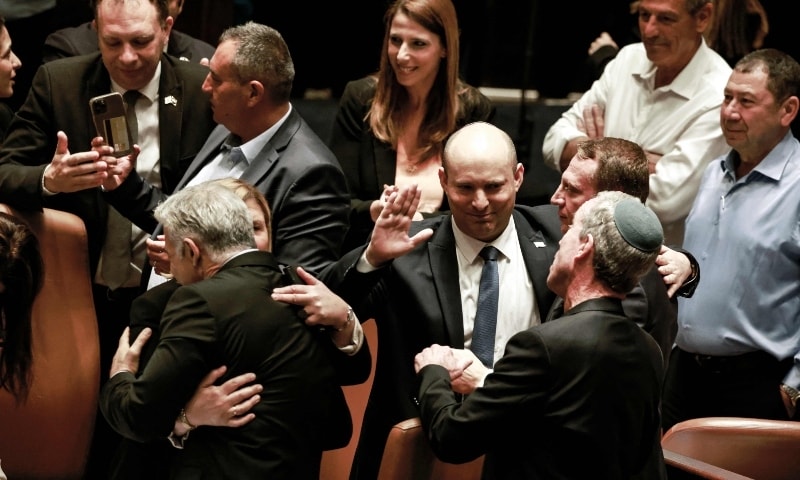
(539, 244)
(170, 100)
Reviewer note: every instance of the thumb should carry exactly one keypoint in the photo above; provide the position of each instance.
(212, 376)
(62, 147)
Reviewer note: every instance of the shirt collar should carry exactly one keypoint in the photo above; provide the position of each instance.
(684, 83)
(252, 148)
(773, 165)
(150, 90)
(470, 247)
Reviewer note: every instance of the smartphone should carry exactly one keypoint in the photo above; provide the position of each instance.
(108, 113)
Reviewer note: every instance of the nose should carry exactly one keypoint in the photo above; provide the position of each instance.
(479, 200)
(128, 54)
(402, 52)
(649, 27)
(206, 87)
(557, 198)
(730, 110)
(15, 61)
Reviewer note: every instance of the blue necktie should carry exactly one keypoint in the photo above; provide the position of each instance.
(486, 314)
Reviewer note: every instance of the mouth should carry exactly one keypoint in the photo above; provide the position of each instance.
(405, 69)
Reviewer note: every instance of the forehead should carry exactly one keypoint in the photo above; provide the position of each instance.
(5, 40)
(128, 18)
(663, 6)
(222, 59)
(402, 24)
(754, 82)
(580, 171)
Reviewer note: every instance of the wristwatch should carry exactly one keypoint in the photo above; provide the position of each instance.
(793, 393)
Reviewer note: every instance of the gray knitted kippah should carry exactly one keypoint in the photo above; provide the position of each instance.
(638, 225)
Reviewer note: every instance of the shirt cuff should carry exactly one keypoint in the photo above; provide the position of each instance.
(45, 191)
(355, 342)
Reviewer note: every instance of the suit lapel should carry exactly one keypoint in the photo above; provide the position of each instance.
(444, 268)
(170, 118)
(205, 155)
(537, 252)
(270, 154)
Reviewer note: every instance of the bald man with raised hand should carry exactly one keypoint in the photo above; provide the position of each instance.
(420, 280)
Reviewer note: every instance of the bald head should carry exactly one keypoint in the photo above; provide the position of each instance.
(480, 176)
(480, 140)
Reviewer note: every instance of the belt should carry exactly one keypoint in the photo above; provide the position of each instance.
(746, 362)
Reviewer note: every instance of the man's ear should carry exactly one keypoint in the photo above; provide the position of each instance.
(789, 110)
(257, 92)
(586, 247)
(191, 249)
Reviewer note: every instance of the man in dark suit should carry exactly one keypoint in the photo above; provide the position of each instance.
(425, 292)
(249, 84)
(587, 384)
(80, 40)
(615, 164)
(221, 316)
(47, 161)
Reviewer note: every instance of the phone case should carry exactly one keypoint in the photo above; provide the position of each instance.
(108, 113)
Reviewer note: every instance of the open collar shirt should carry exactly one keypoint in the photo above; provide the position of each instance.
(745, 234)
(679, 121)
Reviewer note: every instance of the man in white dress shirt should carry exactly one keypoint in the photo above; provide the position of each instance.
(664, 94)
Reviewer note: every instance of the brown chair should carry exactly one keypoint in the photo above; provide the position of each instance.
(408, 456)
(336, 464)
(48, 437)
(750, 447)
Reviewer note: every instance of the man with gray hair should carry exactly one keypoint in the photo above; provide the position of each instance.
(222, 316)
(589, 382)
(262, 140)
(663, 93)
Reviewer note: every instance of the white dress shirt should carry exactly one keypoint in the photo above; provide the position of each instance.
(516, 307)
(679, 121)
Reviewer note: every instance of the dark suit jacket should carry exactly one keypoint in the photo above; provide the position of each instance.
(80, 40)
(368, 163)
(59, 100)
(649, 306)
(300, 178)
(574, 398)
(416, 302)
(228, 320)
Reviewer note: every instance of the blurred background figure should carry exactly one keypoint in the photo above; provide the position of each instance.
(9, 64)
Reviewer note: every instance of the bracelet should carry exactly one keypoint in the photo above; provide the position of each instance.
(182, 418)
(792, 392)
(347, 323)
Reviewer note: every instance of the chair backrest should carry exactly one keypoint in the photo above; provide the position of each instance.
(756, 448)
(336, 464)
(49, 435)
(408, 456)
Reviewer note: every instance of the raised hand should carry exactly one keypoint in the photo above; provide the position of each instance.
(390, 238)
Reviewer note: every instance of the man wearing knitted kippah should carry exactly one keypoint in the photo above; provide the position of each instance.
(589, 382)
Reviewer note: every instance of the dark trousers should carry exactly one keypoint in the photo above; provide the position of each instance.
(113, 315)
(745, 385)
